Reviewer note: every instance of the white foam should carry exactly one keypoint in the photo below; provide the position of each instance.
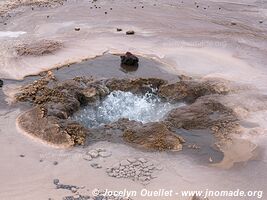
(118, 104)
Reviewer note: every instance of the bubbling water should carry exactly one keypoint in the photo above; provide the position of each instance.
(118, 104)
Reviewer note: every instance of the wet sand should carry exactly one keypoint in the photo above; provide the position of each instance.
(185, 39)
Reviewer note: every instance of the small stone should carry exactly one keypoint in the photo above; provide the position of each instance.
(145, 183)
(56, 181)
(151, 167)
(129, 59)
(96, 166)
(55, 163)
(142, 160)
(142, 178)
(261, 21)
(77, 29)
(130, 32)
(1, 83)
(210, 160)
(105, 154)
(100, 150)
(108, 170)
(147, 164)
(22, 156)
(93, 153)
(124, 163)
(87, 157)
(119, 29)
(131, 160)
(74, 190)
(233, 23)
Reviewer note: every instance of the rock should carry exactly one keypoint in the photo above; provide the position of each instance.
(87, 157)
(195, 197)
(200, 115)
(105, 154)
(119, 29)
(93, 153)
(131, 160)
(56, 181)
(74, 190)
(145, 182)
(96, 165)
(210, 160)
(125, 163)
(130, 32)
(142, 160)
(55, 163)
(153, 136)
(233, 23)
(138, 86)
(1, 83)
(189, 90)
(129, 59)
(261, 21)
(77, 29)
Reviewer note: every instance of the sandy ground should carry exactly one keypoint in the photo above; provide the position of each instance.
(196, 41)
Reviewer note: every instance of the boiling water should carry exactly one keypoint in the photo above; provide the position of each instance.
(118, 104)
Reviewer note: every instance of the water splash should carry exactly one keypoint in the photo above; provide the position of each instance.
(118, 104)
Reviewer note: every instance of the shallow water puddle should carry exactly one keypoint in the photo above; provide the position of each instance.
(200, 143)
(109, 66)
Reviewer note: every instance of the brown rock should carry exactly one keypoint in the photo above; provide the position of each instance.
(189, 90)
(131, 32)
(140, 85)
(129, 59)
(153, 136)
(205, 113)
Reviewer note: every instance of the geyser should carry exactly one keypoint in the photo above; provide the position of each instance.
(143, 108)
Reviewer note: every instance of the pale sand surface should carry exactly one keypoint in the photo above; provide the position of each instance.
(28, 178)
(188, 40)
